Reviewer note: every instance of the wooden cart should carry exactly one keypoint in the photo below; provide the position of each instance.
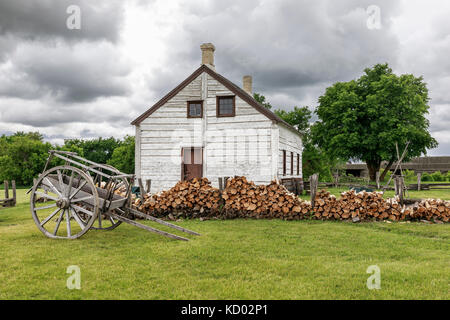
(84, 195)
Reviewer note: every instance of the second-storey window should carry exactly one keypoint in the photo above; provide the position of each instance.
(195, 109)
(225, 106)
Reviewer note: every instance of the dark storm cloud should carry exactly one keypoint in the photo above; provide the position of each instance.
(71, 74)
(289, 45)
(47, 59)
(75, 83)
(46, 19)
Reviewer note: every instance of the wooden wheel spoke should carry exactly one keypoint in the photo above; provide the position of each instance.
(69, 230)
(58, 222)
(69, 187)
(77, 202)
(61, 183)
(50, 184)
(45, 207)
(78, 189)
(44, 195)
(81, 199)
(77, 208)
(77, 219)
(50, 216)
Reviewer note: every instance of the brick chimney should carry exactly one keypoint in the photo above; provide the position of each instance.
(247, 84)
(208, 54)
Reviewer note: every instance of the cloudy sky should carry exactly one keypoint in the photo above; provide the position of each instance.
(94, 81)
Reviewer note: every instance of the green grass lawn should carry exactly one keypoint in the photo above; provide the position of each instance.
(234, 259)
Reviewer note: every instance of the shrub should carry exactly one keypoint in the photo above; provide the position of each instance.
(426, 177)
(386, 177)
(409, 175)
(437, 176)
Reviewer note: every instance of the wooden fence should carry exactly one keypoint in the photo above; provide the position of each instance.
(9, 202)
(428, 186)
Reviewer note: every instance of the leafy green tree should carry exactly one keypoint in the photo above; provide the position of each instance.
(123, 156)
(261, 99)
(364, 118)
(22, 157)
(99, 150)
(299, 118)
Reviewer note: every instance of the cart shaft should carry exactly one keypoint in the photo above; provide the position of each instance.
(142, 226)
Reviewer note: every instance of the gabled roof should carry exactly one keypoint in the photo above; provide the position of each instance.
(224, 81)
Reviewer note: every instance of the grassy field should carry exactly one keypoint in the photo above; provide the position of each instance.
(235, 259)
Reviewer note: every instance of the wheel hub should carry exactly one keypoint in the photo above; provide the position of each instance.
(63, 203)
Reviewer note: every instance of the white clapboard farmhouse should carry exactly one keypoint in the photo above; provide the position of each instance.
(209, 127)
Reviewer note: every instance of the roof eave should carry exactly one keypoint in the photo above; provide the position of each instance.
(227, 83)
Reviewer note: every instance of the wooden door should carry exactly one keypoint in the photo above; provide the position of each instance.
(192, 163)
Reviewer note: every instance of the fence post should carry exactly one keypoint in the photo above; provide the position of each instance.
(313, 181)
(419, 178)
(298, 186)
(402, 189)
(6, 189)
(396, 185)
(13, 184)
(220, 183)
(399, 188)
(141, 189)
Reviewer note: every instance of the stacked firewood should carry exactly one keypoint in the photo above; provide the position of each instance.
(193, 198)
(357, 207)
(240, 198)
(431, 210)
(122, 191)
(371, 206)
(245, 199)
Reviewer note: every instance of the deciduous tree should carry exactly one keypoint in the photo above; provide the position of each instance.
(364, 118)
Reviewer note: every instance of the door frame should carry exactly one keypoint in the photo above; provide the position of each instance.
(192, 159)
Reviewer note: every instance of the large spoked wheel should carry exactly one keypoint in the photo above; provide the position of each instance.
(68, 194)
(104, 221)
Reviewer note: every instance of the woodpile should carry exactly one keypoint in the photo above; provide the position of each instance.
(187, 199)
(245, 199)
(431, 210)
(370, 206)
(357, 207)
(239, 199)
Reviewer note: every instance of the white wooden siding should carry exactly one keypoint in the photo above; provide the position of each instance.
(239, 145)
(246, 144)
(164, 133)
(291, 142)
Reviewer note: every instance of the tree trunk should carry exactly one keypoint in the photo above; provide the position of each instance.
(373, 167)
(388, 167)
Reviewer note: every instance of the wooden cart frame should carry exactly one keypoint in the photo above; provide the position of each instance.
(86, 195)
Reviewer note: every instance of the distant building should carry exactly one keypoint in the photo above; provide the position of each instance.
(421, 164)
